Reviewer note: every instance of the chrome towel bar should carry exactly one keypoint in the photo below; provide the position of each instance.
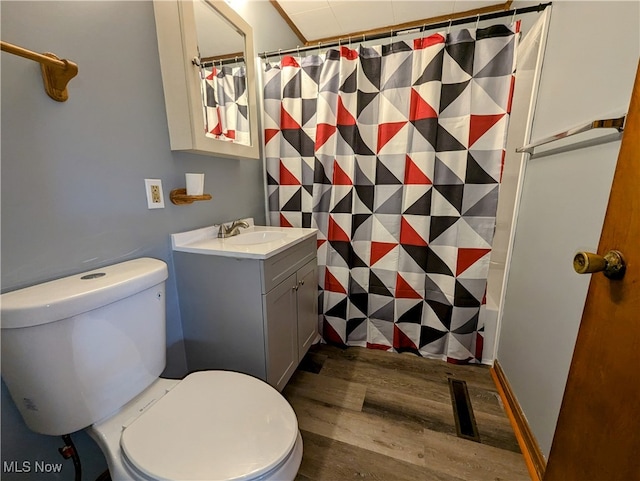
(617, 124)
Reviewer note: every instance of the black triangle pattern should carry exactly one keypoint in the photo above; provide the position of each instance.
(413, 315)
(429, 335)
(453, 194)
(319, 175)
(463, 298)
(350, 84)
(376, 286)
(476, 174)
(422, 206)
(384, 176)
(450, 92)
(433, 71)
(371, 67)
(294, 204)
(364, 99)
(447, 142)
(344, 205)
(351, 135)
(356, 221)
(444, 312)
(439, 224)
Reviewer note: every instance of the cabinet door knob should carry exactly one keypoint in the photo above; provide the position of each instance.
(295, 288)
(301, 283)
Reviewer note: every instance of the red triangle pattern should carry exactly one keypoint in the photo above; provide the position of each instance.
(479, 124)
(323, 132)
(286, 121)
(284, 222)
(413, 175)
(289, 61)
(270, 134)
(286, 177)
(419, 109)
(420, 43)
(401, 340)
(409, 236)
(380, 347)
(332, 284)
(479, 345)
(331, 335)
(348, 53)
(404, 290)
(340, 177)
(320, 242)
(467, 257)
(344, 117)
(335, 233)
(387, 131)
(379, 250)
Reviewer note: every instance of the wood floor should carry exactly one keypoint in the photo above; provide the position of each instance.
(372, 415)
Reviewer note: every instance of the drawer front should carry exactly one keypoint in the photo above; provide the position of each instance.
(277, 268)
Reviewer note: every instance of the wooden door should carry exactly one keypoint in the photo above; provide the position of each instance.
(597, 437)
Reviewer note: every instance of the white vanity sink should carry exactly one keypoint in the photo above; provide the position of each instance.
(255, 237)
(254, 242)
(249, 303)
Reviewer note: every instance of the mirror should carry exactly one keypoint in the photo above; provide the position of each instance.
(209, 87)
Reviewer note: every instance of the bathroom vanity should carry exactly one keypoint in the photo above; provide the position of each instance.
(249, 303)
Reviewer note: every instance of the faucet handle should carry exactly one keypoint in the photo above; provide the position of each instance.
(222, 230)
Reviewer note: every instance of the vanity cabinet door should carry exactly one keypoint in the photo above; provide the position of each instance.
(281, 339)
(307, 296)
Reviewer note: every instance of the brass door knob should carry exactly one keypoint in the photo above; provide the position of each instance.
(612, 264)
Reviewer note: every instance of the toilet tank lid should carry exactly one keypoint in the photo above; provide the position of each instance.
(69, 296)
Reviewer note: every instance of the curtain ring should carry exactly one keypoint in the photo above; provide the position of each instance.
(513, 19)
(298, 50)
(280, 54)
(319, 47)
(477, 21)
(391, 40)
(424, 27)
(449, 27)
(349, 42)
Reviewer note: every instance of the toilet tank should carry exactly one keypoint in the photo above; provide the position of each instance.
(76, 349)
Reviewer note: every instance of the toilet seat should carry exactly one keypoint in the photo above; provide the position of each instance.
(212, 425)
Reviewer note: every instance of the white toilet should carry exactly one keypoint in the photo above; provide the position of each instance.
(86, 351)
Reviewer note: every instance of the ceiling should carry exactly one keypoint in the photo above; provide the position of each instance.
(323, 20)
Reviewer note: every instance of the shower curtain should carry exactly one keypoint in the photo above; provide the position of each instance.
(394, 153)
(224, 100)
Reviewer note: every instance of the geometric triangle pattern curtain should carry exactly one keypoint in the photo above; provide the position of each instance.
(394, 153)
(224, 100)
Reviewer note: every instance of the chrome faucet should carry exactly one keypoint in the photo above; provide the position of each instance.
(233, 229)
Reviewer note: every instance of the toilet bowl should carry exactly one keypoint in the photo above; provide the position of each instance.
(212, 425)
(95, 342)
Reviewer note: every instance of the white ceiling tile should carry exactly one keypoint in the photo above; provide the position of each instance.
(464, 5)
(317, 24)
(408, 11)
(293, 7)
(356, 15)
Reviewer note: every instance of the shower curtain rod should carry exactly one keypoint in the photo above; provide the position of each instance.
(416, 29)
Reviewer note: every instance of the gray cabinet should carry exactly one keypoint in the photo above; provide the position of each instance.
(257, 316)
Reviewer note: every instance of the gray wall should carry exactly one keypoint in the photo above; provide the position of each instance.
(588, 71)
(73, 195)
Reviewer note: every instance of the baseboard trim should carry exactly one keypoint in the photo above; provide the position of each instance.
(533, 457)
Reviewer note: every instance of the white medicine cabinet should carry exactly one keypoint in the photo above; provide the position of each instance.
(188, 31)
